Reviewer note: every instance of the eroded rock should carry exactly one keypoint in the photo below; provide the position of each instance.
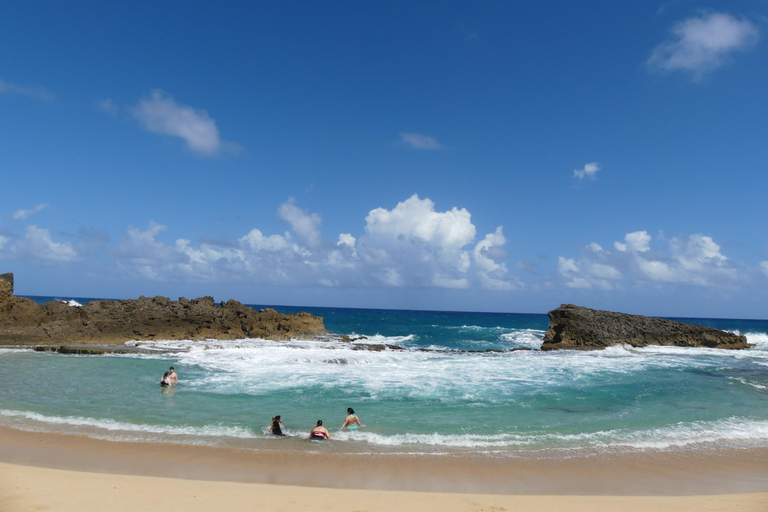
(146, 318)
(576, 327)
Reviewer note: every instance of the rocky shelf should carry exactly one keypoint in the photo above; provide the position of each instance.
(580, 328)
(23, 322)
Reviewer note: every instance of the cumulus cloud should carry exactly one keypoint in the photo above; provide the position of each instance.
(161, 114)
(702, 44)
(492, 274)
(37, 245)
(410, 245)
(589, 171)
(35, 92)
(694, 260)
(306, 226)
(25, 214)
(638, 241)
(419, 141)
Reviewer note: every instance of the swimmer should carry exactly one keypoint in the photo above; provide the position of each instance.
(275, 428)
(172, 377)
(351, 422)
(165, 381)
(319, 432)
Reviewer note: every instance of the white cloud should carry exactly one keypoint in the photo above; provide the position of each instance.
(603, 271)
(693, 260)
(38, 245)
(305, 226)
(411, 245)
(419, 141)
(35, 92)
(638, 241)
(587, 274)
(657, 271)
(763, 266)
(417, 219)
(346, 239)
(492, 275)
(25, 214)
(161, 114)
(703, 43)
(566, 265)
(589, 171)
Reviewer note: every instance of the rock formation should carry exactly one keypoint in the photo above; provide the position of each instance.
(575, 327)
(22, 321)
(6, 288)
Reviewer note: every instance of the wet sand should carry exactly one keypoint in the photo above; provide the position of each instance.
(63, 472)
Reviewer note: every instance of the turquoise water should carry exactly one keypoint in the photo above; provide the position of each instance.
(438, 400)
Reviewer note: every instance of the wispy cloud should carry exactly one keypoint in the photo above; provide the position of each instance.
(107, 106)
(419, 141)
(161, 114)
(589, 171)
(36, 92)
(702, 44)
(25, 214)
(469, 33)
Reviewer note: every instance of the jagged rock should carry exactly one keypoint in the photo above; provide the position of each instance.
(575, 327)
(146, 318)
(6, 289)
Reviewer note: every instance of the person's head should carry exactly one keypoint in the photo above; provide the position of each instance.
(276, 419)
(172, 370)
(319, 423)
(166, 374)
(350, 411)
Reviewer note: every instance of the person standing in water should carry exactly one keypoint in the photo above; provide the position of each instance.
(319, 432)
(275, 428)
(165, 381)
(174, 379)
(351, 422)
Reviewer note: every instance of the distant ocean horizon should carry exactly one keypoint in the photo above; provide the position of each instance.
(435, 396)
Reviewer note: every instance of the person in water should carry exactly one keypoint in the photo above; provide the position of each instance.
(165, 381)
(275, 428)
(319, 432)
(351, 422)
(172, 377)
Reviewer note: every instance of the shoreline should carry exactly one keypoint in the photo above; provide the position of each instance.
(64, 473)
(719, 472)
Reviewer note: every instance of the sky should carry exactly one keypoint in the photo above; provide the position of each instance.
(467, 156)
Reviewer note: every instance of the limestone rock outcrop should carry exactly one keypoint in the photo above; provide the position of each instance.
(6, 288)
(580, 328)
(22, 321)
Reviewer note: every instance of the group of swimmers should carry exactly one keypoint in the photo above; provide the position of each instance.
(320, 433)
(351, 422)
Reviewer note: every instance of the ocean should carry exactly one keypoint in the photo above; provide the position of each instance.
(434, 397)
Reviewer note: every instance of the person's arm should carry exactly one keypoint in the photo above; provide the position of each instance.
(346, 422)
(357, 420)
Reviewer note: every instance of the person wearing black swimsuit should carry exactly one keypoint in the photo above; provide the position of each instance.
(275, 428)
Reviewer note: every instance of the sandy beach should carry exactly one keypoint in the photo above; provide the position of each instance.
(57, 472)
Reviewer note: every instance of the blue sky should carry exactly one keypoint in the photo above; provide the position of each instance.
(496, 156)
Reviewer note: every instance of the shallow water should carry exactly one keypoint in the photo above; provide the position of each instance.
(524, 403)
